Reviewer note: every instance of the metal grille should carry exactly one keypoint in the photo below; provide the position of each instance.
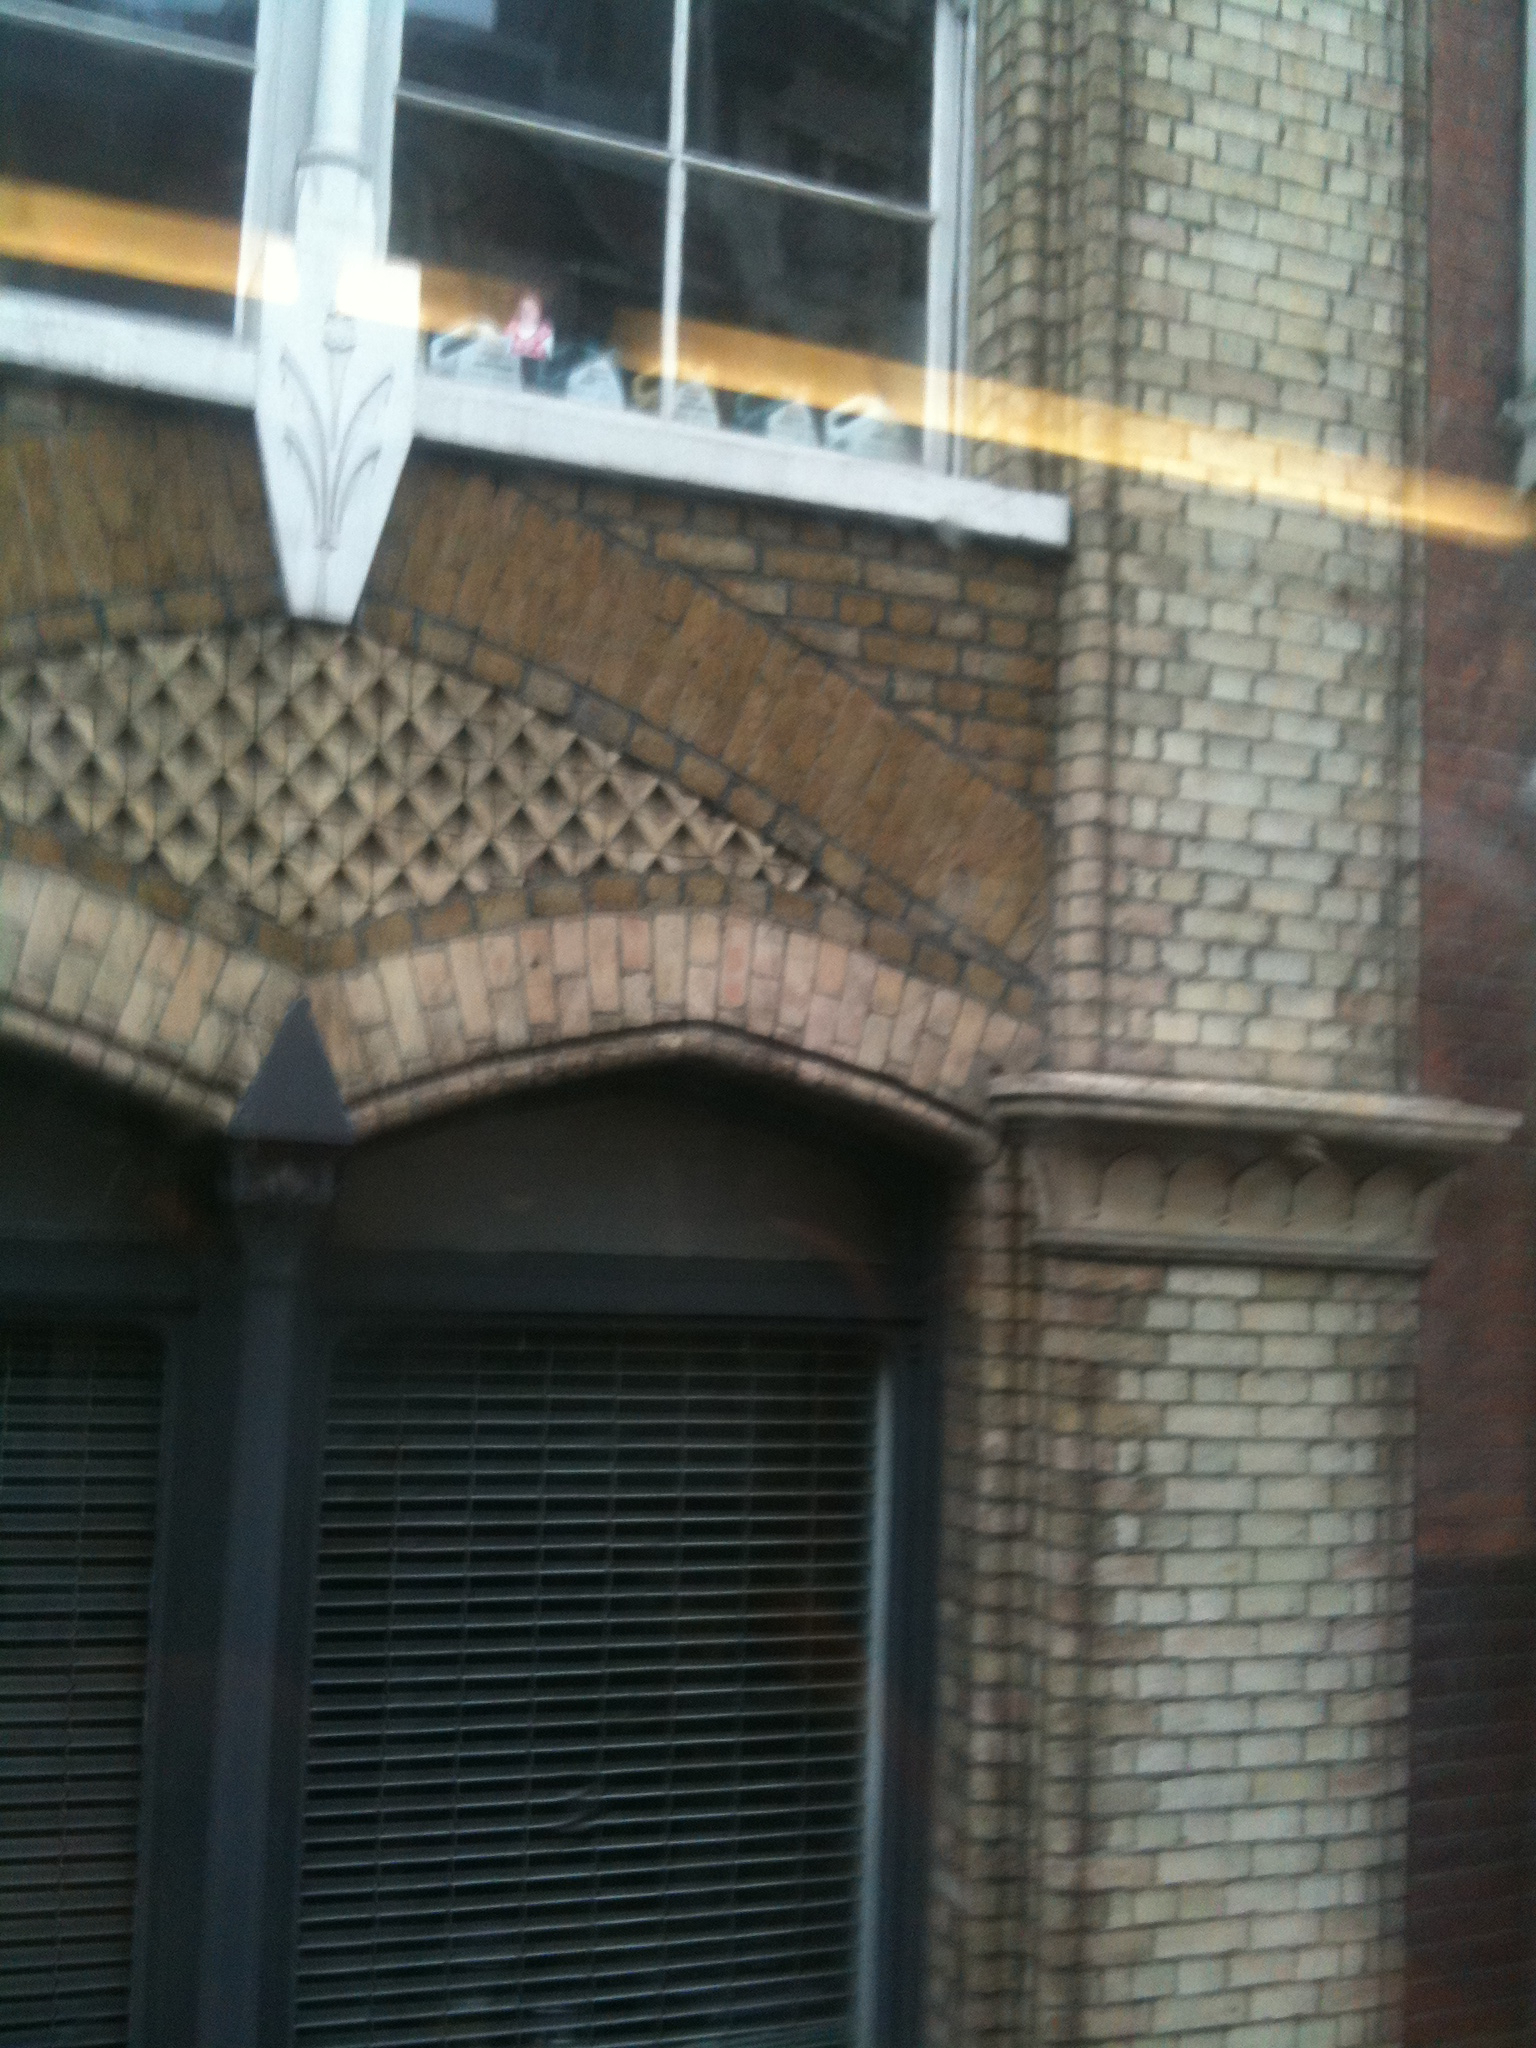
(586, 1756)
(79, 1445)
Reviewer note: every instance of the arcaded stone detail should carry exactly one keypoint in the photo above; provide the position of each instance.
(325, 781)
(1128, 1168)
(1293, 1201)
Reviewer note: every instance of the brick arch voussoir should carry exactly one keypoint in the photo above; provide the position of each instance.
(169, 1012)
(184, 1017)
(479, 1014)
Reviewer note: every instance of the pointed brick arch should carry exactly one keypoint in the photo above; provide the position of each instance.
(185, 1016)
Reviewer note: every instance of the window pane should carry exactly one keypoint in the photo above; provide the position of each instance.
(761, 264)
(606, 63)
(516, 232)
(837, 90)
(121, 174)
(228, 21)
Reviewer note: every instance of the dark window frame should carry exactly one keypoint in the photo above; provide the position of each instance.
(190, 1301)
(99, 1287)
(770, 1295)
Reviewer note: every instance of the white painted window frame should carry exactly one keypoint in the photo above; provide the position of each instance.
(1521, 410)
(325, 347)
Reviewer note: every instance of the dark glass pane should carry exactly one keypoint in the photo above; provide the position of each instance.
(766, 263)
(837, 90)
(606, 63)
(225, 21)
(161, 141)
(515, 231)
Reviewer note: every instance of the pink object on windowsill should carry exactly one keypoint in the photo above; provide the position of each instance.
(528, 333)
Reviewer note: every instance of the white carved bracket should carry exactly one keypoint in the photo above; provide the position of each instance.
(335, 410)
(337, 357)
(1223, 1173)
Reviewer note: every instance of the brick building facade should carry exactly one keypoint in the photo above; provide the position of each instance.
(1144, 919)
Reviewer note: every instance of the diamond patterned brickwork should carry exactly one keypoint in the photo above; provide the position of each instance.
(876, 704)
(325, 781)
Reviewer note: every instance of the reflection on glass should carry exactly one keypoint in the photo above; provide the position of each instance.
(121, 174)
(836, 90)
(229, 21)
(816, 272)
(605, 63)
(536, 251)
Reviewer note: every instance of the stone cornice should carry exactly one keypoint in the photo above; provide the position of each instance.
(1127, 1167)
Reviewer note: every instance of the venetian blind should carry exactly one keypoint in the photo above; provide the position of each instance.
(79, 1445)
(586, 1756)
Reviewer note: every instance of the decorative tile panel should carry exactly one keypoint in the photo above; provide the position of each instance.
(326, 781)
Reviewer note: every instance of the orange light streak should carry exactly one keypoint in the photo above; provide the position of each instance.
(49, 225)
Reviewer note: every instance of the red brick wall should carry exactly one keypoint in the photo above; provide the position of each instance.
(1471, 1802)
(1479, 1392)
(1472, 1900)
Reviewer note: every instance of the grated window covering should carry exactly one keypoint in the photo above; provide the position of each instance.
(79, 1456)
(586, 1756)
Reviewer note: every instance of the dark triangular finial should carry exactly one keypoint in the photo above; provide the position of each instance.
(294, 1099)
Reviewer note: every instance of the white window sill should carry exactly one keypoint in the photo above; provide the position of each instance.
(465, 414)
(135, 350)
(170, 357)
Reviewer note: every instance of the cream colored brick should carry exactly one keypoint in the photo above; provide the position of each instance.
(466, 967)
(407, 1024)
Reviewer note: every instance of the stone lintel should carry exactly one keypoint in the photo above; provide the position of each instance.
(1145, 1169)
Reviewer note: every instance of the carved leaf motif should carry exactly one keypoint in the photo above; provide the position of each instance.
(1132, 1194)
(308, 451)
(351, 466)
(1322, 1202)
(1261, 1199)
(1384, 1206)
(324, 442)
(1197, 1194)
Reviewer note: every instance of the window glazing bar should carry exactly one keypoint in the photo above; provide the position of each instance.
(466, 107)
(810, 188)
(949, 186)
(1522, 410)
(677, 202)
(106, 28)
